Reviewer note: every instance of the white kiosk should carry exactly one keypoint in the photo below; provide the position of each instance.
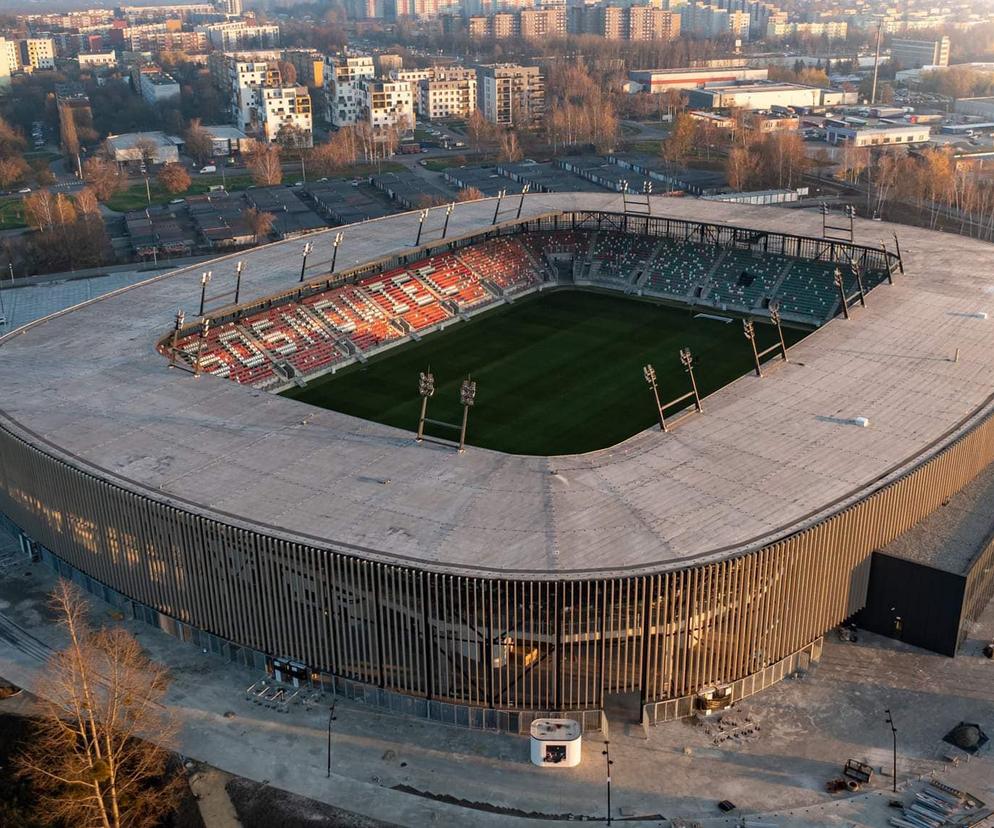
(555, 743)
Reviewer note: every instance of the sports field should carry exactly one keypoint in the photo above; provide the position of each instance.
(556, 374)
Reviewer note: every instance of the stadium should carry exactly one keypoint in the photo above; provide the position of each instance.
(239, 459)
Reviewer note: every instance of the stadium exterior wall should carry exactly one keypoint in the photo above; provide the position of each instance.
(559, 643)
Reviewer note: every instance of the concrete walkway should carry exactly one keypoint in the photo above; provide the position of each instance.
(411, 772)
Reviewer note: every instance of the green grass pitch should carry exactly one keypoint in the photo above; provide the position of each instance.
(556, 374)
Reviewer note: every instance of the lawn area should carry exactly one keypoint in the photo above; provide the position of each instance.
(556, 374)
(11, 213)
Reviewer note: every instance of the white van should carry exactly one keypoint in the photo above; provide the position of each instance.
(210, 168)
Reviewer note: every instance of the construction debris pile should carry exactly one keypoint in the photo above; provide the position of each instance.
(740, 726)
(939, 806)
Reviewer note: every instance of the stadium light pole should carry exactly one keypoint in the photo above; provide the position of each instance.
(178, 326)
(238, 279)
(521, 202)
(837, 276)
(426, 388)
(205, 328)
(467, 397)
(893, 732)
(303, 265)
(339, 238)
(205, 279)
(500, 198)
(749, 329)
(650, 377)
(775, 319)
(687, 360)
(448, 212)
(421, 226)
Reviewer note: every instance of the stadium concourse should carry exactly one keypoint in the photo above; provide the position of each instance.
(486, 588)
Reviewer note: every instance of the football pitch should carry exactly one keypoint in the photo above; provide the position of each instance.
(560, 373)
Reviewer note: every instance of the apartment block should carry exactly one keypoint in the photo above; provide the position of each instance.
(511, 95)
(342, 81)
(37, 53)
(449, 94)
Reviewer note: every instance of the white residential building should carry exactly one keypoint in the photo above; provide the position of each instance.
(449, 94)
(9, 62)
(239, 35)
(37, 53)
(385, 104)
(288, 106)
(96, 60)
(344, 96)
(509, 94)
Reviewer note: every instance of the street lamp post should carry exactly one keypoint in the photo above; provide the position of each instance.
(148, 191)
(331, 718)
(606, 753)
(893, 732)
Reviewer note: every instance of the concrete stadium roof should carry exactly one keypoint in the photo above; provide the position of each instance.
(767, 458)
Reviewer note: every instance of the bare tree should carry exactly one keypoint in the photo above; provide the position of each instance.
(263, 162)
(147, 151)
(13, 168)
(174, 178)
(510, 148)
(478, 130)
(103, 176)
(87, 203)
(260, 223)
(470, 194)
(199, 143)
(101, 697)
(67, 130)
(39, 209)
(680, 140)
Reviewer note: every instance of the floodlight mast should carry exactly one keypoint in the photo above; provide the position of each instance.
(178, 326)
(421, 225)
(339, 237)
(426, 388)
(303, 265)
(448, 213)
(687, 360)
(840, 286)
(649, 372)
(205, 279)
(238, 279)
(776, 320)
(205, 327)
(467, 397)
(749, 331)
